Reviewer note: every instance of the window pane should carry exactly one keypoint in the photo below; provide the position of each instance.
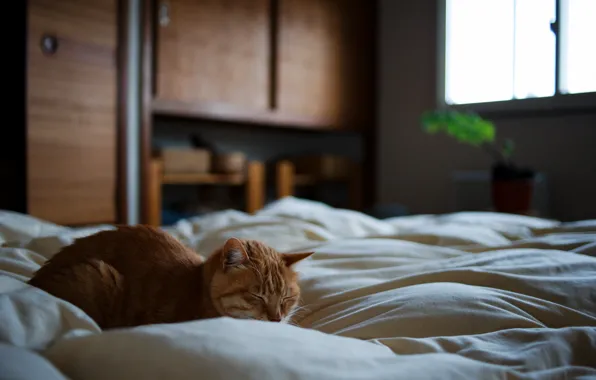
(479, 51)
(535, 47)
(578, 46)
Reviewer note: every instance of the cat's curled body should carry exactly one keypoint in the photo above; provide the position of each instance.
(139, 275)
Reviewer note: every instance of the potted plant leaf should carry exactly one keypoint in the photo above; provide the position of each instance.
(512, 186)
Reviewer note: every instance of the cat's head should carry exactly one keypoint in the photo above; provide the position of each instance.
(254, 281)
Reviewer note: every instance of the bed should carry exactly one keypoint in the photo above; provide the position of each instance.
(471, 295)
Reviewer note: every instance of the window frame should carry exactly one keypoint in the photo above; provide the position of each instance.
(579, 102)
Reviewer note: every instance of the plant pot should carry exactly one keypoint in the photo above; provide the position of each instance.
(512, 189)
(512, 196)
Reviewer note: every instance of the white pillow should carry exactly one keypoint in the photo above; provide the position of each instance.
(221, 348)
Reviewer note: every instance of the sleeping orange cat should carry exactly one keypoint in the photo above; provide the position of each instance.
(141, 275)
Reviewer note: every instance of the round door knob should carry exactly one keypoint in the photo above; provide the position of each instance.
(49, 44)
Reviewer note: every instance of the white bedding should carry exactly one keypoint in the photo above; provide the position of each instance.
(459, 296)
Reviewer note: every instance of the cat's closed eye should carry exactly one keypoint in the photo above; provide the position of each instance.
(256, 298)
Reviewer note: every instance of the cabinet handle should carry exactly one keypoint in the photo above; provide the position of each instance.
(49, 44)
(164, 13)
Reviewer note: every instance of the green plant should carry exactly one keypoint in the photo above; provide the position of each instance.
(469, 128)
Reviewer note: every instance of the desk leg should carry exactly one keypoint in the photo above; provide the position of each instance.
(284, 173)
(255, 186)
(154, 193)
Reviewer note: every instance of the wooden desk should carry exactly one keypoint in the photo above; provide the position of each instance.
(253, 179)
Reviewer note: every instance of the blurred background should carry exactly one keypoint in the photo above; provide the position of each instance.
(149, 111)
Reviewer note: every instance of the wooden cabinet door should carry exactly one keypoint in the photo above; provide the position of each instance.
(71, 110)
(214, 52)
(326, 57)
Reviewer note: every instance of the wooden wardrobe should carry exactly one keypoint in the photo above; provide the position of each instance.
(73, 105)
(297, 63)
(301, 64)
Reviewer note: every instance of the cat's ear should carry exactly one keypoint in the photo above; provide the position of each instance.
(292, 258)
(234, 254)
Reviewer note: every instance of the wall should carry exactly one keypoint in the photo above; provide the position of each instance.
(415, 169)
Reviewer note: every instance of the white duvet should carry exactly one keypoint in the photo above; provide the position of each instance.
(458, 296)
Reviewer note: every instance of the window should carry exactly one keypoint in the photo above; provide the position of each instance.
(503, 50)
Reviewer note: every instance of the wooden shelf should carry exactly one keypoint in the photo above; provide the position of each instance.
(287, 180)
(203, 178)
(234, 114)
(253, 179)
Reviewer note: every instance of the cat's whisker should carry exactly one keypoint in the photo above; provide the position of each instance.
(296, 312)
(300, 309)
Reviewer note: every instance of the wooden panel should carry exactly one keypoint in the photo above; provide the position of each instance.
(72, 111)
(215, 51)
(326, 50)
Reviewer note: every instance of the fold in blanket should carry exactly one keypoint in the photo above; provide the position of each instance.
(458, 296)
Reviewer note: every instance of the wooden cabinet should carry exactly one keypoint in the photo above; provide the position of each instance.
(214, 52)
(302, 63)
(326, 50)
(71, 111)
